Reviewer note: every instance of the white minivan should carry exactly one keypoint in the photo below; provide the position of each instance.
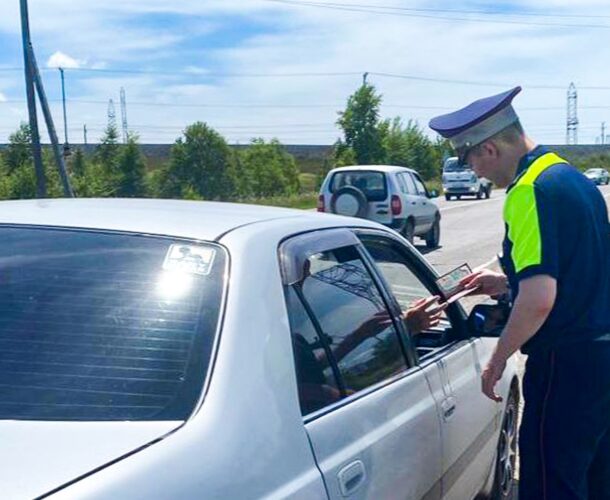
(393, 196)
(460, 180)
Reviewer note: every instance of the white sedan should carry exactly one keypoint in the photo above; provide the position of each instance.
(169, 349)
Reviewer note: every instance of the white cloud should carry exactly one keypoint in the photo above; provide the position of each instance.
(61, 60)
(2, 97)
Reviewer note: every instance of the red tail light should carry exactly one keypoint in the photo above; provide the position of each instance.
(321, 203)
(396, 205)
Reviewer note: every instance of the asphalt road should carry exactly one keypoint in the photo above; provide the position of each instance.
(472, 232)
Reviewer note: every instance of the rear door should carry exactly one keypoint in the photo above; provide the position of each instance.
(426, 209)
(411, 205)
(368, 410)
(373, 185)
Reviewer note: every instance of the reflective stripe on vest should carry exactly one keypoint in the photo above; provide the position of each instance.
(521, 214)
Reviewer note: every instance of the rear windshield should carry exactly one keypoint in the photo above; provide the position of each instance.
(104, 327)
(372, 184)
(453, 166)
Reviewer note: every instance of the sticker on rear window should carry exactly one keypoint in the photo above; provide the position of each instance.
(189, 259)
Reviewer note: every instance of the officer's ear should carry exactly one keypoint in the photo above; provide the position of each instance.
(489, 149)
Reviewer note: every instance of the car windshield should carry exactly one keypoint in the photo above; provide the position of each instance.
(105, 327)
(594, 171)
(454, 166)
(372, 184)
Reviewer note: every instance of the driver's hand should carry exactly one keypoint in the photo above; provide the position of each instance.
(424, 314)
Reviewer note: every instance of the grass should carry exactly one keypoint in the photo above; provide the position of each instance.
(309, 182)
(303, 201)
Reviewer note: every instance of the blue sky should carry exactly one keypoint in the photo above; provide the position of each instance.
(183, 55)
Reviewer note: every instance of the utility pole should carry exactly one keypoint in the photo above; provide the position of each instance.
(603, 132)
(364, 78)
(44, 104)
(41, 185)
(572, 116)
(111, 115)
(85, 133)
(63, 100)
(124, 124)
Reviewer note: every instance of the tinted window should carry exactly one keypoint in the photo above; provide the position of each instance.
(372, 184)
(421, 190)
(353, 318)
(103, 326)
(410, 184)
(315, 378)
(406, 286)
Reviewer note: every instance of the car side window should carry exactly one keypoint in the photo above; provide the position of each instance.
(421, 189)
(410, 183)
(401, 183)
(352, 321)
(407, 288)
(315, 378)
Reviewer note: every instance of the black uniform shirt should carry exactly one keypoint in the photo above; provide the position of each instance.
(557, 225)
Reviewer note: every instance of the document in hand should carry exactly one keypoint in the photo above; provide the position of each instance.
(449, 283)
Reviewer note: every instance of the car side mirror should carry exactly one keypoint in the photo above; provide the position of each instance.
(488, 320)
(433, 193)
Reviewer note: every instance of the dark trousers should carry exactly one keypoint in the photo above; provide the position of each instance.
(564, 439)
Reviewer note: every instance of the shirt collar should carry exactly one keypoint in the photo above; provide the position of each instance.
(525, 162)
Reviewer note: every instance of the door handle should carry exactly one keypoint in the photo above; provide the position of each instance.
(351, 477)
(448, 406)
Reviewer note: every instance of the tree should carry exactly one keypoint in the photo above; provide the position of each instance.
(360, 125)
(268, 170)
(131, 176)
(600, 160)
(107, 152)
(408, 146)
(19, 150)
(78, 164)
(201, 164)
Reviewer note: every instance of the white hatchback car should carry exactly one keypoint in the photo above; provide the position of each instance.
(394, 196)
(168, 349)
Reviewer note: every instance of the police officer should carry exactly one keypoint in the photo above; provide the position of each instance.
(556, 262)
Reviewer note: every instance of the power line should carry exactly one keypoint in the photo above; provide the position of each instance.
(375, 10)
(290, 106)
(421, 78)
(471, 11)
(483, 83)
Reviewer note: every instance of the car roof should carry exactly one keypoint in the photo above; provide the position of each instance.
(200, 220)
(375, 168)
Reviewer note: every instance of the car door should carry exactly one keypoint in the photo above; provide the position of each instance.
(427, 209)
(412, 202)
(469, 421)
(368, 410)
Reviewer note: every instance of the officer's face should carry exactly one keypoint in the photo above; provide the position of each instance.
(485, 161)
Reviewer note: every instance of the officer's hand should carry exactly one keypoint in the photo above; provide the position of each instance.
(489, 378)
(486, 282)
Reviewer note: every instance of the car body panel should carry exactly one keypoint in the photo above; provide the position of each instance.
(37, 457)
(394, 432)
(185, 219)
